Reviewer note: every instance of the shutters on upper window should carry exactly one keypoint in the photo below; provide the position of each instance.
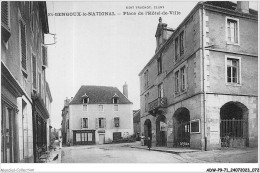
(34, 72)
(5, 14)
(44, 57)
(23, 44)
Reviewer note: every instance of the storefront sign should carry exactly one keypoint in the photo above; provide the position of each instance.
(163, 126)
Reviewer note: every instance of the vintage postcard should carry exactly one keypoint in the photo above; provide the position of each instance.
(128, 86)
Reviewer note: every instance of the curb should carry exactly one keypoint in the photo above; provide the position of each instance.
(181, 154)
(166, 151)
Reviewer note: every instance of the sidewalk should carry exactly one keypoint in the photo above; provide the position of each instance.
(227, 155)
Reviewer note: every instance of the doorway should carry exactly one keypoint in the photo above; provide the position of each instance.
(101, 139)
(161, 131)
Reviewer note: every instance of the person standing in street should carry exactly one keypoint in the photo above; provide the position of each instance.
(142, 139)
(149, 143)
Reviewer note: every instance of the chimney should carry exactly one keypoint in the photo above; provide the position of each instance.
(125, 90)
(243, 6)
(66, 102)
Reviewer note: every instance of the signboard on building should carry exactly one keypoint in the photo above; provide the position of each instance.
(163, 126)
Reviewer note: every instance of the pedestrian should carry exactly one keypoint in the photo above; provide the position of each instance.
(149, 143)
(142, 139)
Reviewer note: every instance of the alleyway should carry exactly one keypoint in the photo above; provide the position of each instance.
(115, 153)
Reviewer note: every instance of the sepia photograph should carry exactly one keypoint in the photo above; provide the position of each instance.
(129, 86)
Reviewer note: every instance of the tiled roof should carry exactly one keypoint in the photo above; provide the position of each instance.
(99, 95)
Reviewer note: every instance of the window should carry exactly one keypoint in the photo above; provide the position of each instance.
(101, 122)
(176, 49)
(5, 20)
(146, 78)
(159, 65)
(85, 100)
(115, 107)
(160, 90)
(115, 100)
(181, 79)
(84, 123)
(116, 121)
(68, 124)
(78, 137)
(233, 70)
(232, 30)
(23, 44)
(146, 97)
(5, 16)
(181, 43)
(34, 72)
(177, 81)
(44, 56)
(100, 108)
(85, 107)
(40, 83)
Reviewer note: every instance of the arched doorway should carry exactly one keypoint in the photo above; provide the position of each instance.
(181, 126)
(161, 133)
(147, 130)
(234, 125)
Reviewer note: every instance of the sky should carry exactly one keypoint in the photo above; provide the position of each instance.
(103, 50)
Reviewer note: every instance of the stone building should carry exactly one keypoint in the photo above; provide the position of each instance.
(97, 115)
(200, 88)
(25, 94)
(65, 121)
(137, 125)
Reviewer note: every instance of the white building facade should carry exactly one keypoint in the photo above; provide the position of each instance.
(99, 115)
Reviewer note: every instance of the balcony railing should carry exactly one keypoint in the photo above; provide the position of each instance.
(157, 103)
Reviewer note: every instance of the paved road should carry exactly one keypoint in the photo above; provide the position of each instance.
(116, 153)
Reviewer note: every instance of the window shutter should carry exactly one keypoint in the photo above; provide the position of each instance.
(34, 71)
(96, 123)
(5, 14)
(105, 123)
(81, 120)
(44, 56)
(23, 45)
(40, 84)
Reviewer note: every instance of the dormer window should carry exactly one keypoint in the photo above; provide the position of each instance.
(115, 99)
(85, 99)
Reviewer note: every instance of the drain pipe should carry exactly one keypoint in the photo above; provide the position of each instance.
(204, 78)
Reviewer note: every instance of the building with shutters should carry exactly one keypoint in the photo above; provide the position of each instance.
(25, 94)
(97, 115)
(200, 90)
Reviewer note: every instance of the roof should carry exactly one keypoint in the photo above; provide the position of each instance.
(229, 5)
(99, 95)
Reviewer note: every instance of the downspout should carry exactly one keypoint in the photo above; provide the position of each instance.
(204, 79)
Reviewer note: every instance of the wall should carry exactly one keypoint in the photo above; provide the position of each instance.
(217, 33)
(194, 105)
(215, 102)
(125, 115)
